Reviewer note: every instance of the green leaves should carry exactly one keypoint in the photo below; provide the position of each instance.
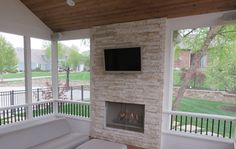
(68, 56)
(221, 55)
(8, 59)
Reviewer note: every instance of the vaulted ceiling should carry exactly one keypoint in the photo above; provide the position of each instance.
(58, 16)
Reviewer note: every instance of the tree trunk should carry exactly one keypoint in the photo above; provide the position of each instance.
(193, 67)
(67, 78)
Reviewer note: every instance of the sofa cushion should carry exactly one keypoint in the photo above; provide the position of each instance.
(68, 141)
(101, 144)
(34, 135)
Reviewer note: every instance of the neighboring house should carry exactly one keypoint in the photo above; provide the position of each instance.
(38, 60)
(185, 59)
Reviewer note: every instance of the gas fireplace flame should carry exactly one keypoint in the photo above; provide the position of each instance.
(129, 117)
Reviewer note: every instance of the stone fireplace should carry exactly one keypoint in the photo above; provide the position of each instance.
(125, 116)
(127, 107)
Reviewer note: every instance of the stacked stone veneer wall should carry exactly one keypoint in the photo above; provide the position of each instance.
(145, 87)
(208, 95)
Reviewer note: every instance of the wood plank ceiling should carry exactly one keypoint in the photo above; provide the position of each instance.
(57, 15)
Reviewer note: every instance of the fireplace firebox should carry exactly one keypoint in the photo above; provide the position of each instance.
(125, 116)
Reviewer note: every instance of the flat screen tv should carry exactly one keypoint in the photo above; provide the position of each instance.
(123, 59)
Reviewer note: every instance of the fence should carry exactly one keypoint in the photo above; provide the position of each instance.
(202, 124)
(18, 113)
(17, 97)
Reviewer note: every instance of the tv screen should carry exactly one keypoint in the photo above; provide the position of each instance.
(123, 59)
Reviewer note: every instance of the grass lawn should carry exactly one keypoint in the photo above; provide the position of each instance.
(62, 75)
(22, 75)
(75, 76)
(205, 106)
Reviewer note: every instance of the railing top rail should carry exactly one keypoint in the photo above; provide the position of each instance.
(69, 101)
(41, 102)
(24, 105)
(13, 107)
(201, 115)
(15, 91)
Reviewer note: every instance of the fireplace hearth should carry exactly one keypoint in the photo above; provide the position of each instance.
(125, 116)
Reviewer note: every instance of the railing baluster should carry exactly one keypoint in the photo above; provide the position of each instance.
(59, 107)
(218, 131)
(181, 123)
(224, 128)
(80, 110)
(11, 115)
(18, 114)
(230, 129)
(207, 126)
(25, 112)
(48, 107)
(63, 108)
(88, 111)
(176, 119)
(186, 122)
(201, 125)
(196, 125)
(191, 124)
(21, 114)
(7, 117)
(212, 129)
(0, 118)
(77, 110)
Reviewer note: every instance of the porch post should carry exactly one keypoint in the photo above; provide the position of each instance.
(28, 76)
(54, 48)
(168, 80)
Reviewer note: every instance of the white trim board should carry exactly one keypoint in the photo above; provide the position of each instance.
(16, 18)
(203, 20)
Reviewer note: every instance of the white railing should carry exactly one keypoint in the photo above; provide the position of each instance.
(13, 114)
(202, 124)
(73, 108)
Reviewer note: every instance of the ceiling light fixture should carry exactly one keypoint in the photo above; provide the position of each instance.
(70, 2)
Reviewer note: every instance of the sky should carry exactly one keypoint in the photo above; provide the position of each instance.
(17, 42)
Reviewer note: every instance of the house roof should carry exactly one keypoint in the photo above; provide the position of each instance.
(37, 56)
(57, 15)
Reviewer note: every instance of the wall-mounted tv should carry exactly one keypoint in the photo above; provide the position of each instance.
(123, 59)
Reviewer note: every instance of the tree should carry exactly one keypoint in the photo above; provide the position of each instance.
(219, 44)
(74, 59)
(197, 78)
(8, 59)
(200, 47)
(221, 73)
(68, 59)
(86, 60)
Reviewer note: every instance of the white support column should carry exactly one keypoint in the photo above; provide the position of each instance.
(54, 58)
(28, 76)
(168, 81)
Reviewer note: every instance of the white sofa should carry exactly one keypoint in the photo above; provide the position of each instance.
(49, 134)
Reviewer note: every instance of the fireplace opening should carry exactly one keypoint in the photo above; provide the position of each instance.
(125, 116)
